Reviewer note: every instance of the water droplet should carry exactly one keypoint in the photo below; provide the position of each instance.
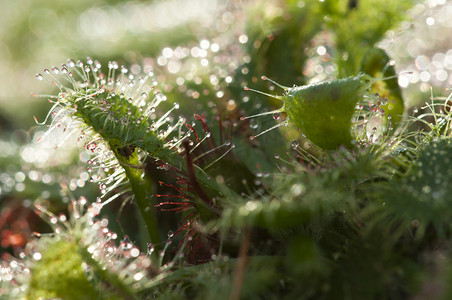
(39, 76)
(254, 123)
(170, 234)
(134, 252)
(276, 155)
(176, 105)
(295, 144)
(37, 256)
(151, 248)
(46, 71)
(91, 146)
(55, 70)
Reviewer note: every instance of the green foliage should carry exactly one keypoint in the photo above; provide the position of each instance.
(360, 28)
(420, 199)
(324, 111)
(59, 274)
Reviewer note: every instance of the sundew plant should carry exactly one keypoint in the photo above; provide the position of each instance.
(237, 150)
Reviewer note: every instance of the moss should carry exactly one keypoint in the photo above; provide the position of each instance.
(59, 274)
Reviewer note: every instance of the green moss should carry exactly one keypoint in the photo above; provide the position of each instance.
(59, 274)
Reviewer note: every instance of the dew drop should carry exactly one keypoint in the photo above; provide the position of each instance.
(254, 124)
(246, 88)
(39, 76)
(151, 248)
(295, 144)
(134, 252)
(37, 256)
(170, 234)
(46, 71)
(55, 70)
(92, 146)
(276, 155)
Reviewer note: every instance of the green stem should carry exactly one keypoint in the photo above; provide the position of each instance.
(141, 190)
(110, 277)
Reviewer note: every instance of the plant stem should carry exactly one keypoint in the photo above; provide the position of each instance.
(240, 267)
(110, 277)
(141, 190)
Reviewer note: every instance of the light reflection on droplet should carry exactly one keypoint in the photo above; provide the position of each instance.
(422, 62)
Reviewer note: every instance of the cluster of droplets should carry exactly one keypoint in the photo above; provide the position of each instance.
(421, 45)
(370, 120)
(13, 272)
(190, 66)
(125, 98)
(123, 258)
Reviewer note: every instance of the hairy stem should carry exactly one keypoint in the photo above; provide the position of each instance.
(110, 277)
(141, 191)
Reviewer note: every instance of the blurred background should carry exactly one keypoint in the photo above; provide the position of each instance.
(188, 43)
